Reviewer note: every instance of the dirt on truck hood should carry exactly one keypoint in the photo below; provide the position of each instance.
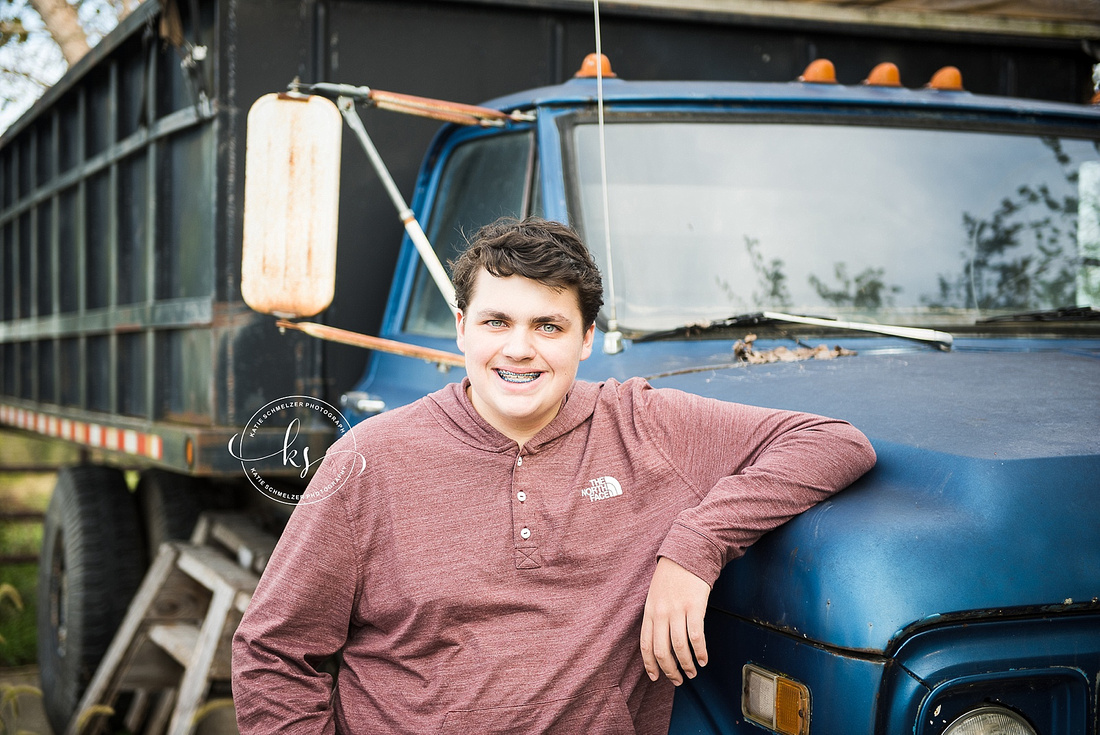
(983, 501)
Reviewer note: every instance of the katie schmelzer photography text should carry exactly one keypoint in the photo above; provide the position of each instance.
(284, 443)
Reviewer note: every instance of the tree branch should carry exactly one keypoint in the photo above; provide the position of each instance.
(63, 24)
(24, 75)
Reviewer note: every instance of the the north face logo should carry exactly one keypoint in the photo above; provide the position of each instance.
(602, 488)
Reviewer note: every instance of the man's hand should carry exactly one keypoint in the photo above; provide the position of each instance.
(672, 624)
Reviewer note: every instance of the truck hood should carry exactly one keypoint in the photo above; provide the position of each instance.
(985, 499)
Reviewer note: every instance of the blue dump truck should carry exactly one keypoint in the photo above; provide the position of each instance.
(919, 262)
(919, 259)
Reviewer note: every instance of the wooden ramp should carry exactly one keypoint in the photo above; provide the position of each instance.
(175, 639)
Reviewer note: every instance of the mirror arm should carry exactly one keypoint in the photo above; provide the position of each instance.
(343, 336)
(412, 226)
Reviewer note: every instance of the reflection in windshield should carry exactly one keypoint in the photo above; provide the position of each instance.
(1000, 271)
(884, 224)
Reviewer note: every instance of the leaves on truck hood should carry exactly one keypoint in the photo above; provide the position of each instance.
(744, 352)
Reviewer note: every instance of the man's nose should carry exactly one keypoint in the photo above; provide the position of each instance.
(519, 345)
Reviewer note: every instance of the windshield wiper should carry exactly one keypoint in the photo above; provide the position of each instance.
(1065, 314)
(941, 340)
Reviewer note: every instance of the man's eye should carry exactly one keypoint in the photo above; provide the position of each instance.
(550, 328)
(495, 323)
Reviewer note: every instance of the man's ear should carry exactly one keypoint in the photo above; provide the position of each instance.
(586, 346)
(460, 327)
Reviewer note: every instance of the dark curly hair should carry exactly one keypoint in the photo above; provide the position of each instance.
(535, 248)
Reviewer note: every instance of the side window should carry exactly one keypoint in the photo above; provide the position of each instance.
(484, 179)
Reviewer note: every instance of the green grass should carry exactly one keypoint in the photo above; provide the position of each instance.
(18, 639)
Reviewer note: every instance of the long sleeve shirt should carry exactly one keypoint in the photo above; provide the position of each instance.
(471, 585)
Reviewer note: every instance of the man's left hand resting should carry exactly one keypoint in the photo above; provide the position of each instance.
(672, 623)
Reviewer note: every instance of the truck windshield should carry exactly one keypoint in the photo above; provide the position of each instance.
(885, 224)
(484, 177)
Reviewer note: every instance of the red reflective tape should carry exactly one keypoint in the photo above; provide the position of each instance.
(95, 435)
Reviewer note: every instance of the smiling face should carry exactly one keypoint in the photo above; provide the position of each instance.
(523, 342)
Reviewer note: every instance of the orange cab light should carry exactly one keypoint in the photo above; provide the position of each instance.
(588, 68)
(948, 78)
(884, 75)
(819, 71)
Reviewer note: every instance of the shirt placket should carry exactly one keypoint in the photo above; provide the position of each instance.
(525, 536)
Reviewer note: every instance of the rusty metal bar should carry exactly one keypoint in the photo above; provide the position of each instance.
(379, 344)
(442, 109)
(455, 112)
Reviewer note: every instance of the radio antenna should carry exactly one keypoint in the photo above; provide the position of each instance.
(613, 338)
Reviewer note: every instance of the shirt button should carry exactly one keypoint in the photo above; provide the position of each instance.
(521, 496)
(525, 534)
(519, 461)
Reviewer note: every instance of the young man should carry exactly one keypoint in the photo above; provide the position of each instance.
(524, 552)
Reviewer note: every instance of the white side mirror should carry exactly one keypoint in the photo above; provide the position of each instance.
(291, 205)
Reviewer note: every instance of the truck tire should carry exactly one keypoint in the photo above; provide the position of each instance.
(91, 563)
(170, 505)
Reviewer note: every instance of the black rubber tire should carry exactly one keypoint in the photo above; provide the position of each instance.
(91, 563)
(170, 505)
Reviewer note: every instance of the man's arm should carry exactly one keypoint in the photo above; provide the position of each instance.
(762, 468)
(672, 623)
(298, 617)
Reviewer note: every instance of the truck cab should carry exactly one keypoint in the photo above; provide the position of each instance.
(941, 247)
(946, 249)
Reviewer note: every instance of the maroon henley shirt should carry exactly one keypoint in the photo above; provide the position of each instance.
(476, 587)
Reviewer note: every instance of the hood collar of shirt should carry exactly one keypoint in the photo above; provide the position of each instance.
(452, 408)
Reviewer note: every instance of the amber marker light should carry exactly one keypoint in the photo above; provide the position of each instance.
(949, 79)
(884, 75)
(588, 68)
(819, 71)
(775, 701)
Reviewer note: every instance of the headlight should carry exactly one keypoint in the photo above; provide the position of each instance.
(990, 721)
(775, 701)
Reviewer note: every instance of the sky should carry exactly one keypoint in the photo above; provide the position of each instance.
(39, 56)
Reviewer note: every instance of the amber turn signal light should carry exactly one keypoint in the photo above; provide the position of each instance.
(775, 701)
(948, 78)
(819, 71)
(885, 74)
(593, 65)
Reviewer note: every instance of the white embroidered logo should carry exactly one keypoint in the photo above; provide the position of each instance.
(602, 488)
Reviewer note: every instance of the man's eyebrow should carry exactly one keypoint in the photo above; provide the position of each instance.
(552, 318)
(492, 314)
